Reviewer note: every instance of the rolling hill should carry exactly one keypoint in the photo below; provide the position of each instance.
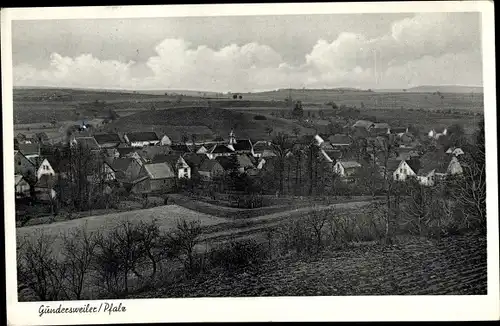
(201, 121)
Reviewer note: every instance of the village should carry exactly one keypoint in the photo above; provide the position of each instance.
(147, 163)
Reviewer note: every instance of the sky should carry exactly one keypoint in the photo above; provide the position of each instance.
(250, 53)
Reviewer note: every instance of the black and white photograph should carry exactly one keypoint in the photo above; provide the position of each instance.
(161, 153)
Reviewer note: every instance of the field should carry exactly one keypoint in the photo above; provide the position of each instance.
(454, 266)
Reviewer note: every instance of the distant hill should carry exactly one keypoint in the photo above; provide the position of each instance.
(432, 89)
(197, 120)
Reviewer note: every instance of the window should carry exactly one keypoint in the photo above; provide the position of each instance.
(185, 170)
(397, 176)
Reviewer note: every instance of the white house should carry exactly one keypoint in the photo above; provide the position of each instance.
(141, 139)
(346, 168)
(403, 171)
(456, 151)
(165, 140)
(44, 168)
(436, 133)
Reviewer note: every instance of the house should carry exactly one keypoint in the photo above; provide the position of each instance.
(142, 138)
(109, 140)
(126, 151)
(263, 149)
(44, 188)
(363, 124)
(87, 143)
(22, 187)
(126, 169)
(31, 168)
(201, 149)
(43, 167)
(243, 146)
(346, 168)
(434, 166)
(177, 163)
(339, 140)
(165, 140)
(455, 151)
(399, 131)
(438, 132)
(379, 128)
(219, 150)
(29, 150)
(210, 168)
(155, 177)
(228, 163)
(149, 152)
(245, 163)
(406, 169)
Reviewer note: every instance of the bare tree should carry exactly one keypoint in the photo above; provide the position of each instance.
(184, 240)
(281, 146)
(78, 254)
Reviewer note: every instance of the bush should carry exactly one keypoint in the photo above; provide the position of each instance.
(259, 117)
(235, 256)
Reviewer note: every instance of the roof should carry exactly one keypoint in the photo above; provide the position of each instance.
(439, 130)
(326, 156)
(180, 148)
(228, 163)
(122, 163)
(349, 164)
(45, 181)
(362, 124)
(381, 125)
(166, 158)
(392, 165)
(243, 145)
(208, 165)
(107, 138)
(159, 171)
(87, 142)
(219, 149)
(261, 145)
(17, 178)
(193, 159)
(150, 152)
(339, 139)
(398, 130)
(29, 149)
(326, 146)
(437, 160)
(142, 136)
(244, 161)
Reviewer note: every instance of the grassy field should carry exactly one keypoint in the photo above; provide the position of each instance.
(414, 266)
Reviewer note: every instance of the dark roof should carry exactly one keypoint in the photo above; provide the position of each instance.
(29, 149)
(142, 136)
(378, 131)
(437, 160)
(107, 138)
(243, 145)
(42, 135)
(166, 158)
(392, 165)
(126, 150)
(122, 164)
(228, 162)
(398, 130)
(339, 139)
(244, 161)
(439, 129)
(193, 159)
(363, 124)
(87, 142)
(150, 152)
(220, 149)
(381, 125)
(360, 132)
(208, 165)
(261, 146)
(183, 148)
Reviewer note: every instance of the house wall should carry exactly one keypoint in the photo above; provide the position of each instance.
(165, 140)
(454, 167)
(403, 172)
(144, 143)
(162, 184)
(184, 172)
(22, 188)
(45, 169)
(141, 187)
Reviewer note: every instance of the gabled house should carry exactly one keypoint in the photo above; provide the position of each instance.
(141, 139)
(154, 178)
(43, 167)
(438, 132)
(22, 187)
(406, 169)
(165, 140)
(263, 149)
(219, 150)
(455, 151)
(109, 140)
(379, 128)
(201, 149)
(210, 168)
(243, 146)
(178, 164)
(44, 188)
(87, 143)
(363, 124)
(346, 169)
(434, 167)
(148, 153)
(126, 169)
(339, 140)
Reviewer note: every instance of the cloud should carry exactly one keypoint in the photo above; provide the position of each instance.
(425, 49)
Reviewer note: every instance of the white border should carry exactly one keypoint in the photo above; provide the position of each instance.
(361, 308)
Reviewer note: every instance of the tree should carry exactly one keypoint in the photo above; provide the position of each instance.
(334, 106)
(78, 252)
(183, 240)
(240, 97)
(235, 96)
(193, 138)
(184, 138)
(296, 131)
(298, 111)
(269, 130)
(281, 145)
(113, 115)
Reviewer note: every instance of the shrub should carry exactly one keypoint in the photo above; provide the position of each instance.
(259, 117)
(235, 255)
